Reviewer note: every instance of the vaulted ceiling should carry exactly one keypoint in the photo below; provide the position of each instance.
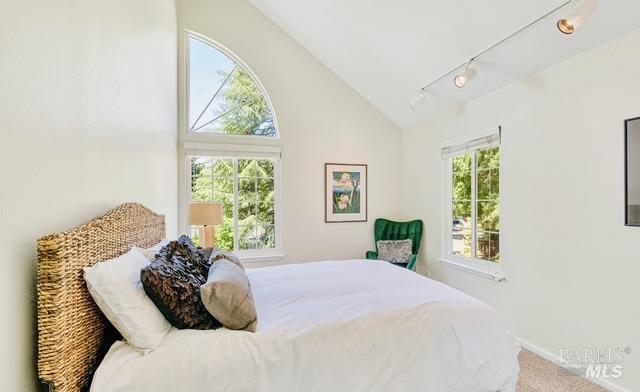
(386, 50)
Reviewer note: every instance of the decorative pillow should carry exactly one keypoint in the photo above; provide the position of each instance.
(218, 254)
(173, 281)
(116, 288)
(395, 251)
(227, 296)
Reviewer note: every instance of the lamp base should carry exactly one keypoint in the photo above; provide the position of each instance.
(208, 235)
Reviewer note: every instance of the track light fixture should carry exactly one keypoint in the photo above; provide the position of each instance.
(417, 100)
(467, 75)
(581, 11)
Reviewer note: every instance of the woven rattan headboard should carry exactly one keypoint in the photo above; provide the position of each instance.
(71, 330)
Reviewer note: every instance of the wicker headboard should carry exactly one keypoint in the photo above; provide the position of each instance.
(72, 332)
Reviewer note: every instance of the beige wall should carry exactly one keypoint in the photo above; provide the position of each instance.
(321, 119)
(87, 121)
(571, 265)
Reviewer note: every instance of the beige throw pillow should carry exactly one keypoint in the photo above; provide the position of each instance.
(228, 298)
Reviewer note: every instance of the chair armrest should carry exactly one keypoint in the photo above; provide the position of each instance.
(372, 255)
(412, 263)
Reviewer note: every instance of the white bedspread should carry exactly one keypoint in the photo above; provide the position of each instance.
(333, 326)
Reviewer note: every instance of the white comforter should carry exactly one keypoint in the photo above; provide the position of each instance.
(332, 326)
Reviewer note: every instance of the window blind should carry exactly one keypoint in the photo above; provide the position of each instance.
(480, 143)
(231, 150)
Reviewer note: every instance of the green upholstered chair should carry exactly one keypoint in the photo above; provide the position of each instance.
(385, 229)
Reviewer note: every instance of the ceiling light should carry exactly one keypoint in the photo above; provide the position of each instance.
(468, 75)
(581, 11)
(418, 100)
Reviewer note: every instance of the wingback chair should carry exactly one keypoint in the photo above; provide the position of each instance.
(385, 229)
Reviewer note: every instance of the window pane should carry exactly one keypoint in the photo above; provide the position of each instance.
(202, 188)
(247, 190)
(488, 159)
(265, 189)
(224, 234)
(223, 98)
(488, 216)
(488, 246)
(200, 166)
(247, 213)
(222, 167)
(248, 237)
(223, 185)
(267, 236)
(213, 181)
(266, 167)
(461, 182)
(494, 247)
(461, 229)
(247, 168)
(488, 183)
(266, 213)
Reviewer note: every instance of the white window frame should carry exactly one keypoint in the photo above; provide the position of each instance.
(451, 149)
(229, 146)
(203, 136)
(241, 152)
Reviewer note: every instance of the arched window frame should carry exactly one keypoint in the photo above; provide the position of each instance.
(224, 145)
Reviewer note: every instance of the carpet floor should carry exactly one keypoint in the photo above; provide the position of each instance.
(539, 375)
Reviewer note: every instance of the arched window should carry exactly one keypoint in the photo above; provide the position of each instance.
(225, 100)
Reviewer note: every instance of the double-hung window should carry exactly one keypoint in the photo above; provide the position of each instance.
(231, 150)
(246, 187)
(472, 211)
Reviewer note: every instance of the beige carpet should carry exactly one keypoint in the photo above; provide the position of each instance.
(539, 375)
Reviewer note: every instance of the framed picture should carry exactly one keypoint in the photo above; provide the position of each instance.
(345, 192)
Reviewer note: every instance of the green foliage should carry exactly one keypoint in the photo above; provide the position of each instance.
(487, 183)
(461, 186)
(487, 173)
(212, 180)
(249, 112)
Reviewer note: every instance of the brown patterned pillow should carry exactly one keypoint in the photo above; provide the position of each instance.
(173, 281)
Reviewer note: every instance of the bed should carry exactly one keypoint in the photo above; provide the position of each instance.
(351, 325)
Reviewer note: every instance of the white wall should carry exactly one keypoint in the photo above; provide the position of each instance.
(571, 265)
(321, 119)
(87, 121)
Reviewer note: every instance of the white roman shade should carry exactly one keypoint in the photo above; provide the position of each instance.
(232, 150)
(489, 140)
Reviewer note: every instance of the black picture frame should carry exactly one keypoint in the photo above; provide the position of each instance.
(627, 221)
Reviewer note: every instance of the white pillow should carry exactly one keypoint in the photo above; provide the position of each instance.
(116, 288)
(150, 253)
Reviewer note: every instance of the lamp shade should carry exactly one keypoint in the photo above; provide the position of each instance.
(205, 214)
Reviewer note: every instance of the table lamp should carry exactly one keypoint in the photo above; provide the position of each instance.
(206, 215)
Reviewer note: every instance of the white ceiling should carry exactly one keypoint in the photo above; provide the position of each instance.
(386, 50)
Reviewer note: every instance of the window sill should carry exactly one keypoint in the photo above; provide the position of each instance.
(495, 276)
(261, 258)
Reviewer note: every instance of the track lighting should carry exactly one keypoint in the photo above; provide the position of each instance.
(467, 75)
(581, 11)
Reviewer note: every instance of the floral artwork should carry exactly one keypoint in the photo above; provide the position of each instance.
(346, 193)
